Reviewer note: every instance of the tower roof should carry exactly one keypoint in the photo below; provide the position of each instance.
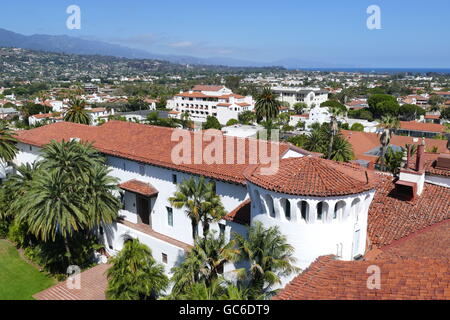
(310, 176)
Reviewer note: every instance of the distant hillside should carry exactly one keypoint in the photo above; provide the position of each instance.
(73, 45)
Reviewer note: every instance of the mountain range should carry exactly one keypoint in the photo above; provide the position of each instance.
(73, 45)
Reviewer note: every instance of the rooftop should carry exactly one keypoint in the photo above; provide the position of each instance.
(312, 176)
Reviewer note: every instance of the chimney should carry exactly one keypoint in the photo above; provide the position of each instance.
(420, 163)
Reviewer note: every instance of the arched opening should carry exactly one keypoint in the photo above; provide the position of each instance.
(339, 210)
(257, 200)
(304, 210)
(270, 206)
(322, 210)
(286, 204)
(355, 208)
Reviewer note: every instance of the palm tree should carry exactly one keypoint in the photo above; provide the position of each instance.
(77, 112)
(135, 275)
(205, 262)
(267, 106)
(71, 192)
(388, 123)
(269, 127)
(201, 203)
(334, 128)
(342, 150)
(315, 141)
(8, 148)
(269, 255)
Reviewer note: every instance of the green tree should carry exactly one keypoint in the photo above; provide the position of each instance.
(201, 203)
(70, 192)
(269, 256)
(77, 112)
(334, 127)
(212, 123)
(388, 123)
(300, 107)
(267, 106)
(247, 117)
(357, 127)
(232, 122)
(335, 104)
(411, 112)
(135, 275)
(342, 150)
(204, 263)
(382, 105)
(445, 113)
(8, 148)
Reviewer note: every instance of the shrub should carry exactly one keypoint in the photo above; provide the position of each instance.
(357, 127)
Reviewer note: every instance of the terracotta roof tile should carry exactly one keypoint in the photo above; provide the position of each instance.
(139, 187)
(312, 176)
(147, 144)
(391, 218)
(420, 126)
(241, 214)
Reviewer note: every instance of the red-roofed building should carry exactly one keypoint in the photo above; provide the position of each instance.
(217, 101)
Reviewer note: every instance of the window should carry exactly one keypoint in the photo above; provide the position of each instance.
(174, 179)
(124, 166)
(304, 210)
(287, 208)
(270, 206)
(142, 170)
(170, 216)
(31, 148)
(322, 210)
(164, 258)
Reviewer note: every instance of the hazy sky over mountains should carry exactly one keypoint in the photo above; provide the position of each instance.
(414, 33)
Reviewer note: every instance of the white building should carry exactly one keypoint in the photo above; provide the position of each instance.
(310, 96)
(320, 205)
(204, 101)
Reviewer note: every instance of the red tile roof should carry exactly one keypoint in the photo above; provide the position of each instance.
(148, 144)
(414, 267)
(207, 88)
(406, 279)
(420, 126)
(311, 176)
(139, 187)
(363, 142)
(391, 218)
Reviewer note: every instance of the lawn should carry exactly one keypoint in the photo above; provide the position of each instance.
(18, 279)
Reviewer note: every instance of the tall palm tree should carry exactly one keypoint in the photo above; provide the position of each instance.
(205, 262)
(200, 201)
(70, 192)
(269, 255)
(334, 128)
(8, 148)
(77, 112)
(315, 141)
(267, 106)
(388, 123)
(135, 275)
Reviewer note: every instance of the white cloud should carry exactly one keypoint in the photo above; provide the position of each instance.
(181, 44)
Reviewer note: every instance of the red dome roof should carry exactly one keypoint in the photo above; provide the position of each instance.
(311, 176)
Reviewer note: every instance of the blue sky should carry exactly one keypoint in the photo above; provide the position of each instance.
(326, 32)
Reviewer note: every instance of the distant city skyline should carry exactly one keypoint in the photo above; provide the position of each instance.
(413, 34)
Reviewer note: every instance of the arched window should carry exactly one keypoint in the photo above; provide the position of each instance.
(304, 210)
(322, 210)
(355, 208)
(257, 200)
(270, 206)
(286, 204)
(339, 210)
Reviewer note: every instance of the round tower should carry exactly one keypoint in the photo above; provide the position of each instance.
(321, 206)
